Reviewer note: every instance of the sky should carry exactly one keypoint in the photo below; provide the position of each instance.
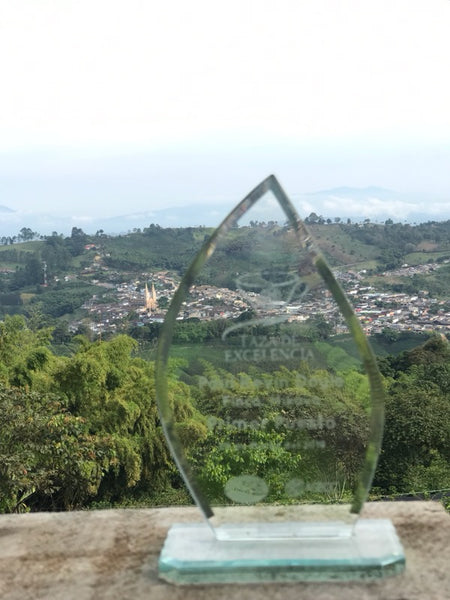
(110, 107)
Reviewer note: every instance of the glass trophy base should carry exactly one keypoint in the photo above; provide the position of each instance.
(193, 555)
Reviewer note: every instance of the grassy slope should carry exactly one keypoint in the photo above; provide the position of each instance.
(340, 249)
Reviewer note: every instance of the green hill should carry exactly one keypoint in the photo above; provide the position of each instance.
(67, 264)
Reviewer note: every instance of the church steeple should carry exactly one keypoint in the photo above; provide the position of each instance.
(151, 301)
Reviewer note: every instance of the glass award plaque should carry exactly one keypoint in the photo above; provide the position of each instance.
(289, 409)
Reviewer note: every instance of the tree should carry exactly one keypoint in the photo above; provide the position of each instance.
(416, 431)
(78, 239)
(114, 393)
(47, 457)
(312, 218)
(416, 445)
(163, 302)
(18, 344)
(36, 319)
(26, 234)
(55, 254)
(33, 270)
(61, 333)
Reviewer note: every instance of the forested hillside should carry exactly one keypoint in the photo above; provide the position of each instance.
(58, 274)
(79, 423)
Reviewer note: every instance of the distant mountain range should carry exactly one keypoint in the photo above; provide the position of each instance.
(44, 223)
(375, 203)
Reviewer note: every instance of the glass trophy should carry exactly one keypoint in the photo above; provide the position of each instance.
(289, 409)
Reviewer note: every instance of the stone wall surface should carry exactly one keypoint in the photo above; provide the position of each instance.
(113, 554)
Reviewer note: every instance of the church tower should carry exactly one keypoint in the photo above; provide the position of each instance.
(151, 302)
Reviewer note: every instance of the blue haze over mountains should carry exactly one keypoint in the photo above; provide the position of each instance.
(374, 203)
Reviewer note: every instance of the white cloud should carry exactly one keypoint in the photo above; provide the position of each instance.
(370, 207)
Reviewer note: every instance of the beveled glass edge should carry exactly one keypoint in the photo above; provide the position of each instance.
(191, 556)
(367, 355)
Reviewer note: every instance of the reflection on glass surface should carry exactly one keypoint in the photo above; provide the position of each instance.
(292, 415)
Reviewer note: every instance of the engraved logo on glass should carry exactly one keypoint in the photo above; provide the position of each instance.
(272, 379)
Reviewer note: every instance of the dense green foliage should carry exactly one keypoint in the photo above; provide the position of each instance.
(48, 458)
(271, 399)
(155, 247)
(83, 430)
(416, 448)
(396, 240)
(64, 299)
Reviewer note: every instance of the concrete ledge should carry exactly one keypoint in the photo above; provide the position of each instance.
(113, 555)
